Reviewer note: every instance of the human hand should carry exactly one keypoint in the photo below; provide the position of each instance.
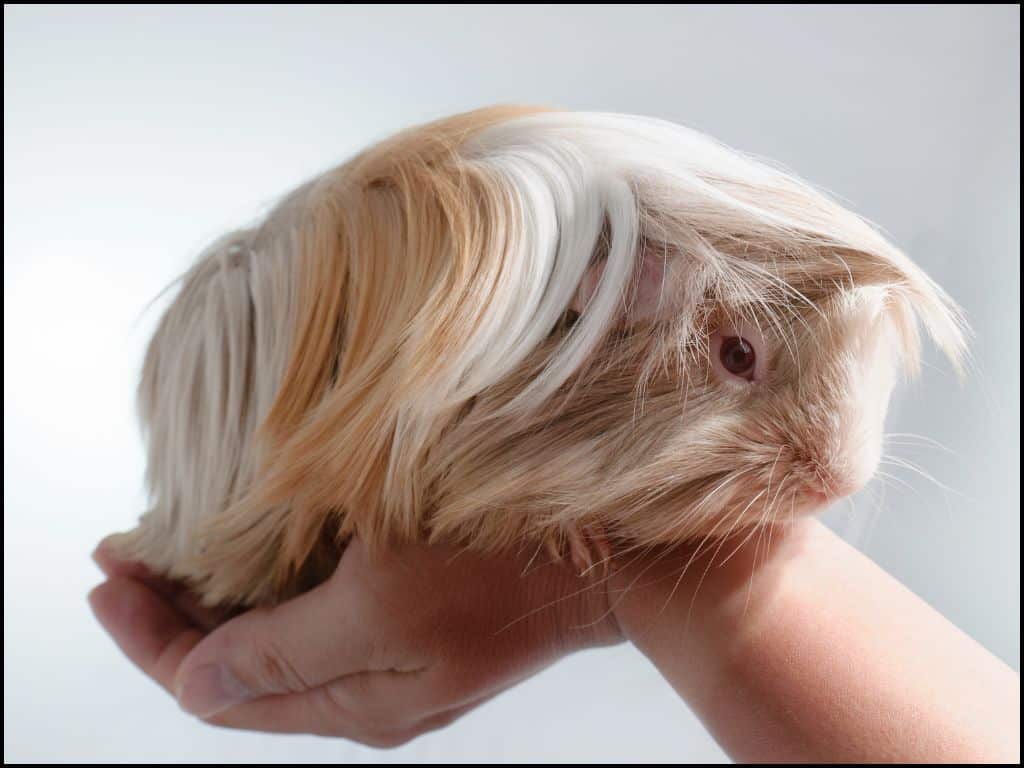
(385, 650)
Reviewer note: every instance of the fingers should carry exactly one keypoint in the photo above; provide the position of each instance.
(154, 636)
(302, 667)
(175, 593)
(382, 709)
(328, 711)
(331, 710)
(315, 664)
(295, 647)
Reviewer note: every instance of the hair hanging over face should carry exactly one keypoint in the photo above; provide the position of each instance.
(502, 327)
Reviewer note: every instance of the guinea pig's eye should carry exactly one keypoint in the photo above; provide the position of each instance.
(738, 356)
(737, 353)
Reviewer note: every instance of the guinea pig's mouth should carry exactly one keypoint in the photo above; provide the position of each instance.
(816, 497)
(816, 500)
(824, 484)
(823, 490)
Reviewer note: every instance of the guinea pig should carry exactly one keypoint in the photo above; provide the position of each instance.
(521, 327)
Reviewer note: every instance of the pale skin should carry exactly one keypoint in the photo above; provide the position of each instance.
(801, 650)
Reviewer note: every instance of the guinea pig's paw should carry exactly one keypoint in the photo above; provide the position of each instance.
(588, 549)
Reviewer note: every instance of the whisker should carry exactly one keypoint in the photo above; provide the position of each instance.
(705, 541)
(907, 464)
(536, 552)
(910, 438)
(572, 595)
(901, 481)
(753, 566)
(764, 516)
(894, 461)
(711, 561)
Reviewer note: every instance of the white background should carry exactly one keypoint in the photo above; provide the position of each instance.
(132, 136)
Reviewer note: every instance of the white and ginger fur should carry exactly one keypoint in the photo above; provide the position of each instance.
(498, 329)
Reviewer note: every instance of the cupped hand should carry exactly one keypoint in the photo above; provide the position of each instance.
(391, 646)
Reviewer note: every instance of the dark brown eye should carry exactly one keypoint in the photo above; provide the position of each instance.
(737, 356)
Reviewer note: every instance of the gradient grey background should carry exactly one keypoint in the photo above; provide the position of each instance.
(132, 136)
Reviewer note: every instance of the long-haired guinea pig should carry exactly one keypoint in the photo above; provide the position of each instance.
(518, 327)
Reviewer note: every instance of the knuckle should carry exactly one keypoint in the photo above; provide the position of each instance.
(268, 671)
(343, 700)
(355, 716)
(273, 671)
(378, 651)
(342, 706)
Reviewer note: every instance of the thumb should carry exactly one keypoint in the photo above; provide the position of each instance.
(293, 647)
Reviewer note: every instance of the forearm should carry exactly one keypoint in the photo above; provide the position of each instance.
(815, 653)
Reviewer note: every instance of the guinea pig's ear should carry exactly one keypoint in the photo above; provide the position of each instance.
(657, 287)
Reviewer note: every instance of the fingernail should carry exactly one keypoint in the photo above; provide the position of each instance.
(211, 689)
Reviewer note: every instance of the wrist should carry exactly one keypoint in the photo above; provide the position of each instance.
(722, 584)
(580, 615)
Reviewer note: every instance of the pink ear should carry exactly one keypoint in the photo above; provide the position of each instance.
(588, 285)
(648, 294)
